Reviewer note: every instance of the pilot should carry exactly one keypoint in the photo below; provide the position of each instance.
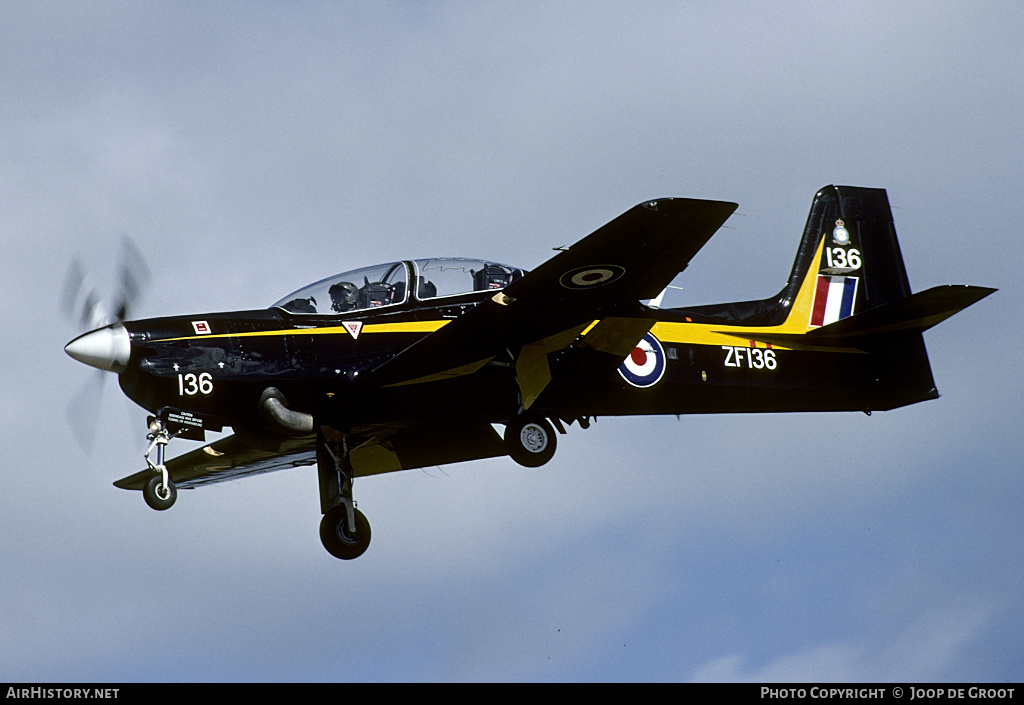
(492, 276)
(425, 289)
(301, 305)
(343, 296)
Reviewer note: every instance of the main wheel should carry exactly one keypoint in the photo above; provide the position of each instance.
(156, 495)
(530, 441)
(336, 537)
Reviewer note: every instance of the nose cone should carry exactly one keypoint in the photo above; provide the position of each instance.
(105, 349)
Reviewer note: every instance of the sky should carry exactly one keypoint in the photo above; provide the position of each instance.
(251, 148)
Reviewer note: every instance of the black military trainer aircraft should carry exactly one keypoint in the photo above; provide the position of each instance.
(412, 364)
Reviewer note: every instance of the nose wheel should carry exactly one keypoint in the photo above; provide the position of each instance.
(160, 494)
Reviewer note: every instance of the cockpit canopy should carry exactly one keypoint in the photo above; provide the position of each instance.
(389, 284)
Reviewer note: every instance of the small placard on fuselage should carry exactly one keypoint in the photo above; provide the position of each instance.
(185, 424)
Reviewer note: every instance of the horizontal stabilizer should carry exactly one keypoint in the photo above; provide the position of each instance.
(917, 312)
(914, 313)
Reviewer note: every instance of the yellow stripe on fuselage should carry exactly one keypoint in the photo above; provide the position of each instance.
(409, 327)
(672, 332)
(796, 323)
(406, 327)
(704, 334)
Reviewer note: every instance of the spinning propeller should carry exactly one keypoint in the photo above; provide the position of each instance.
(106, 346)
(93, 312)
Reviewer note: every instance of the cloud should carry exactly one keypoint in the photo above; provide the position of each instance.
(924, 651)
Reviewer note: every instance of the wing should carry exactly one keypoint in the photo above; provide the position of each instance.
(385, 449)
(228, 459)
(633, 257)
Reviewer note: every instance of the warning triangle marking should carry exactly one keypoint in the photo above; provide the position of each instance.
(354, 327)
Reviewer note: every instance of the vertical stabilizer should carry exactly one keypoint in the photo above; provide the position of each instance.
(849, 259)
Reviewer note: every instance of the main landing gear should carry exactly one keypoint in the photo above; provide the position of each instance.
(159, 491)
(530, 440)
(344, 530)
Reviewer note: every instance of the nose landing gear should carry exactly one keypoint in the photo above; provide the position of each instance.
(159, 491)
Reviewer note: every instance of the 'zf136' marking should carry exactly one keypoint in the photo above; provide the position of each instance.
(755, 358)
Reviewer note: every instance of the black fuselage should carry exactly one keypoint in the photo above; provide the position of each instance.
(218, 365)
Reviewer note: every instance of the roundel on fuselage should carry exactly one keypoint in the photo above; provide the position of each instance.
(644, 366)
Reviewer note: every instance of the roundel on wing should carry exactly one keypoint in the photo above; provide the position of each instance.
(644, 366)
(591, 276)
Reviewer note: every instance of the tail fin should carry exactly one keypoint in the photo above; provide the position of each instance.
(849, 265)
(850, 246)
(848, 256)
(849, 280)
(859, 265)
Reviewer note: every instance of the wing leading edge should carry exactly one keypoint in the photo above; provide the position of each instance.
(385, 450)
(633, 257)
(228, 459)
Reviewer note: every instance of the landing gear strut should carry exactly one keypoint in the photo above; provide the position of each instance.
(344, 530)
(159, 491)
